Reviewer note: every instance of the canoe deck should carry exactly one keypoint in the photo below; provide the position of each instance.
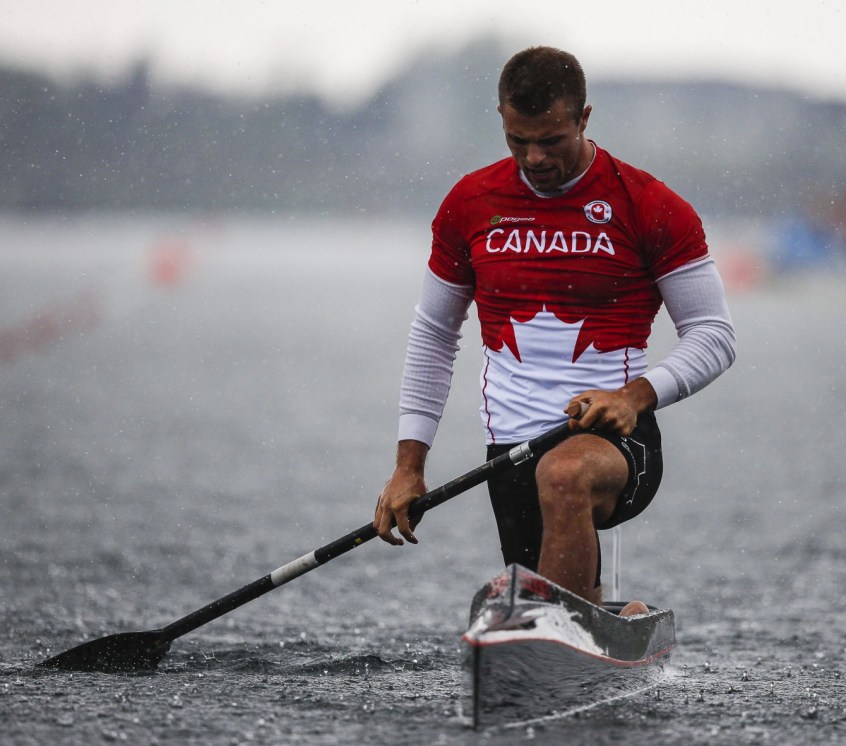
(533, 648)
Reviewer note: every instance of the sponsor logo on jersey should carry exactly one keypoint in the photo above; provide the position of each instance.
(598, 211)
(497, 219)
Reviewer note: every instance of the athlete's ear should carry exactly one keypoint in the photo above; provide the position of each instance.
(585, 116)
(499, 108)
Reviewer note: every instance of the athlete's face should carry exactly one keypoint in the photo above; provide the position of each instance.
(550, 148)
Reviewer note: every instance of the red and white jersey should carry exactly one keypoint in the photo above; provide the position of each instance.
(564, 285)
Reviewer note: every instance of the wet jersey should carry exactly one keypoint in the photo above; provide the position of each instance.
(564, 285)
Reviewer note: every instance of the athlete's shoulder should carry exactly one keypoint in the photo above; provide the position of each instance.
(459, 215)
(642, 187)
(489, 178)
(670, 229)
(614, 169)
(474, 190)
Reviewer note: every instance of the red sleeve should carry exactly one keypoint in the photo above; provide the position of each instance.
(672, 231)
(450, 258)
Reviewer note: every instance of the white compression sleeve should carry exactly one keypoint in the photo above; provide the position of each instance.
(696, 301)
(432, 346)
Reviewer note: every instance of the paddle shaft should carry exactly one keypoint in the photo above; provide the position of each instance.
(321, 556)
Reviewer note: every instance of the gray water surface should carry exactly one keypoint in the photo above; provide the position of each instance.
(187, 405)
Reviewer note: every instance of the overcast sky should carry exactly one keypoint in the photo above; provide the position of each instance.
(345, 49)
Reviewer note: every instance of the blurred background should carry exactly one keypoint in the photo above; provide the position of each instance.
(378, 108)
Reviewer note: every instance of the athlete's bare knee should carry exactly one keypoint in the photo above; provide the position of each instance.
(562, 472)
(563, 483)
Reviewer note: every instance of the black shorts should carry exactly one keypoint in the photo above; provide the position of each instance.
(514, 495)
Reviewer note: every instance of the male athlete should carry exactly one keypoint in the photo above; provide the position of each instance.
(568, 254)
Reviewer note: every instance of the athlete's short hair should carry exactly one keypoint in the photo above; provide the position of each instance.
(532, 80)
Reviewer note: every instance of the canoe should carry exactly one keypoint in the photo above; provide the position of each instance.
(533, 649)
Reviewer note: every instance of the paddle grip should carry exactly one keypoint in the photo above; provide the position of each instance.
(576, 409)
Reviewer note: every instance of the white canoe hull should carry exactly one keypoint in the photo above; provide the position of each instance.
(533, 649)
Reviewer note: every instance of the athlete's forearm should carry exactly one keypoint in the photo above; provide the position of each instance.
(411, 456)
(695, 299)
(640, 395)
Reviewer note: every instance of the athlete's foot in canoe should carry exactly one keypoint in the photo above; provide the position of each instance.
(633, 608)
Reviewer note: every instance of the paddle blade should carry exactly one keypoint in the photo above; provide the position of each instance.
(127, 651)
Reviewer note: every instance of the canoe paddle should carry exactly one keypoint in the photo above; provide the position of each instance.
(134, 651)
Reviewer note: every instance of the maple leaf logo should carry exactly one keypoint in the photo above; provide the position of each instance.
(540, 375)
